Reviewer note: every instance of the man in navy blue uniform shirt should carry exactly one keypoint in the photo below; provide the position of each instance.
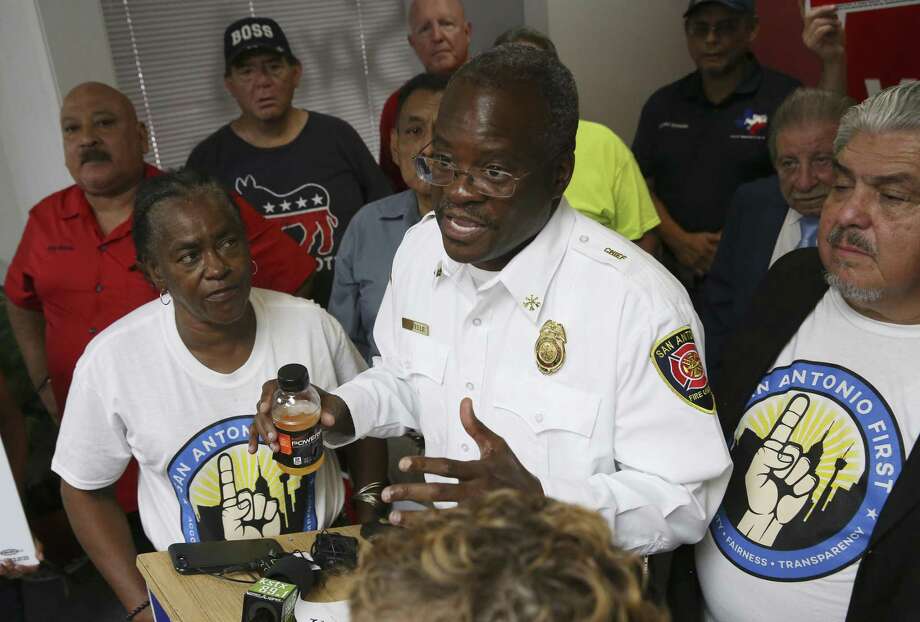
(701, 137)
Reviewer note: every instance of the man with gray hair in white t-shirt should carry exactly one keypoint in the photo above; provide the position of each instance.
(821, 516)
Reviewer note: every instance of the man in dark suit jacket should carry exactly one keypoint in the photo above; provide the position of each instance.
(772, 216)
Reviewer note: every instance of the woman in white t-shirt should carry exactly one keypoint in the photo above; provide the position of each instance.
(173, 384)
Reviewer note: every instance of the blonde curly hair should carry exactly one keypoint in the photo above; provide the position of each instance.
(504, 557)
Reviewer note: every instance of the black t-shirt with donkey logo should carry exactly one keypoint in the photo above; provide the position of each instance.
(311, 187)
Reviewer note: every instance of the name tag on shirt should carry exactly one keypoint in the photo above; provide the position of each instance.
(415, 327)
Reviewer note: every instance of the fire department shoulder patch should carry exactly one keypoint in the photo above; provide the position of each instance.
(679, 364)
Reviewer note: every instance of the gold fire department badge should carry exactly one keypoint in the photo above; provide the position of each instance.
(550, 347)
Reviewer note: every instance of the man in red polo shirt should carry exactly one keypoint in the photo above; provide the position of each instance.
(74, 272)
(440, 36)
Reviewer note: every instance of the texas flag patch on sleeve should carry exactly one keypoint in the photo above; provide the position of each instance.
(679, 364)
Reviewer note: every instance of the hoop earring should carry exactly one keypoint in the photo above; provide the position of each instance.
(165, 298)
(255, 267)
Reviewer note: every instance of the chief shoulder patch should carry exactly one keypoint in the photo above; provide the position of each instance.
(679, 364)
(603, 251)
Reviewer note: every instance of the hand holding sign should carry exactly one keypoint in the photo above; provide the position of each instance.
(245, 514)
(779, 479)
(823, 33)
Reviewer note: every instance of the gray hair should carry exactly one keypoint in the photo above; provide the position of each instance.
(851, 292)
(806, 107)
(154, 192)
(894, 109)
(503, 67)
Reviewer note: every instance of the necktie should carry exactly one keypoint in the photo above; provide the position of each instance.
(808, 225)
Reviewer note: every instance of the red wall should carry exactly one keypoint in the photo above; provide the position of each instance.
(779, 44)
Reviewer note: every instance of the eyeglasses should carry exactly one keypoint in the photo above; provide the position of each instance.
(491, 182)
(723, 28)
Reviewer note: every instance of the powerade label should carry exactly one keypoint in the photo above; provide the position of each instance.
(300, 449)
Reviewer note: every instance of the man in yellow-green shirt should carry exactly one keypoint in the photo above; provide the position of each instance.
(608, 186)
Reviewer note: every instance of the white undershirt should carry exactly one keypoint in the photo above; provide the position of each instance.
(480, 277)
(790, 235)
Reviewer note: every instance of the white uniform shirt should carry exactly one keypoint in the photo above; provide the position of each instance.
(611, 429)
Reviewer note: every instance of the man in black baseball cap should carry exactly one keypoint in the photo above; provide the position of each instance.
(701, 137)
(305, 171)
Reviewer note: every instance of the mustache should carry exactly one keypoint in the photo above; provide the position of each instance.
(818, 191)
(466, 211)
(93, 154)
(852, 238)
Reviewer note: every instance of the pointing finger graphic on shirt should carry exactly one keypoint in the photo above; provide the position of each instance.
(245, 514)
(779, 479)
(227, 483)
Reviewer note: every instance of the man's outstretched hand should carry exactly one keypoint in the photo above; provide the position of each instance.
(496, 468)
(335, 417)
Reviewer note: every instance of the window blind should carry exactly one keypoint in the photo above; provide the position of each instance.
(168, 57)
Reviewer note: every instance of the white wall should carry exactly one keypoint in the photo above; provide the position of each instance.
(46, 48)
(31, 162)
(77, 42)
(491, 18)
(620, 51)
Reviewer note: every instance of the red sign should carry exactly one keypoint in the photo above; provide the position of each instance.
(881, 49)
(861, 5)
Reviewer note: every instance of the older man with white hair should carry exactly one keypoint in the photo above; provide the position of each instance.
(439, 34)
(822, 515)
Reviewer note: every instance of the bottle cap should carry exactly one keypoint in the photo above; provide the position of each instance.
(293, 377)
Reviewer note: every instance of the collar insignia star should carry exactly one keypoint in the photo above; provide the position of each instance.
(532, 303)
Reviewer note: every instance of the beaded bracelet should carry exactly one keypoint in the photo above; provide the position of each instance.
(137, 610)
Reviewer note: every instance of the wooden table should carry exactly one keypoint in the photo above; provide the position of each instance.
(204, 598)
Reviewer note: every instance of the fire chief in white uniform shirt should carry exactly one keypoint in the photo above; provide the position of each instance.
(575, 349)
